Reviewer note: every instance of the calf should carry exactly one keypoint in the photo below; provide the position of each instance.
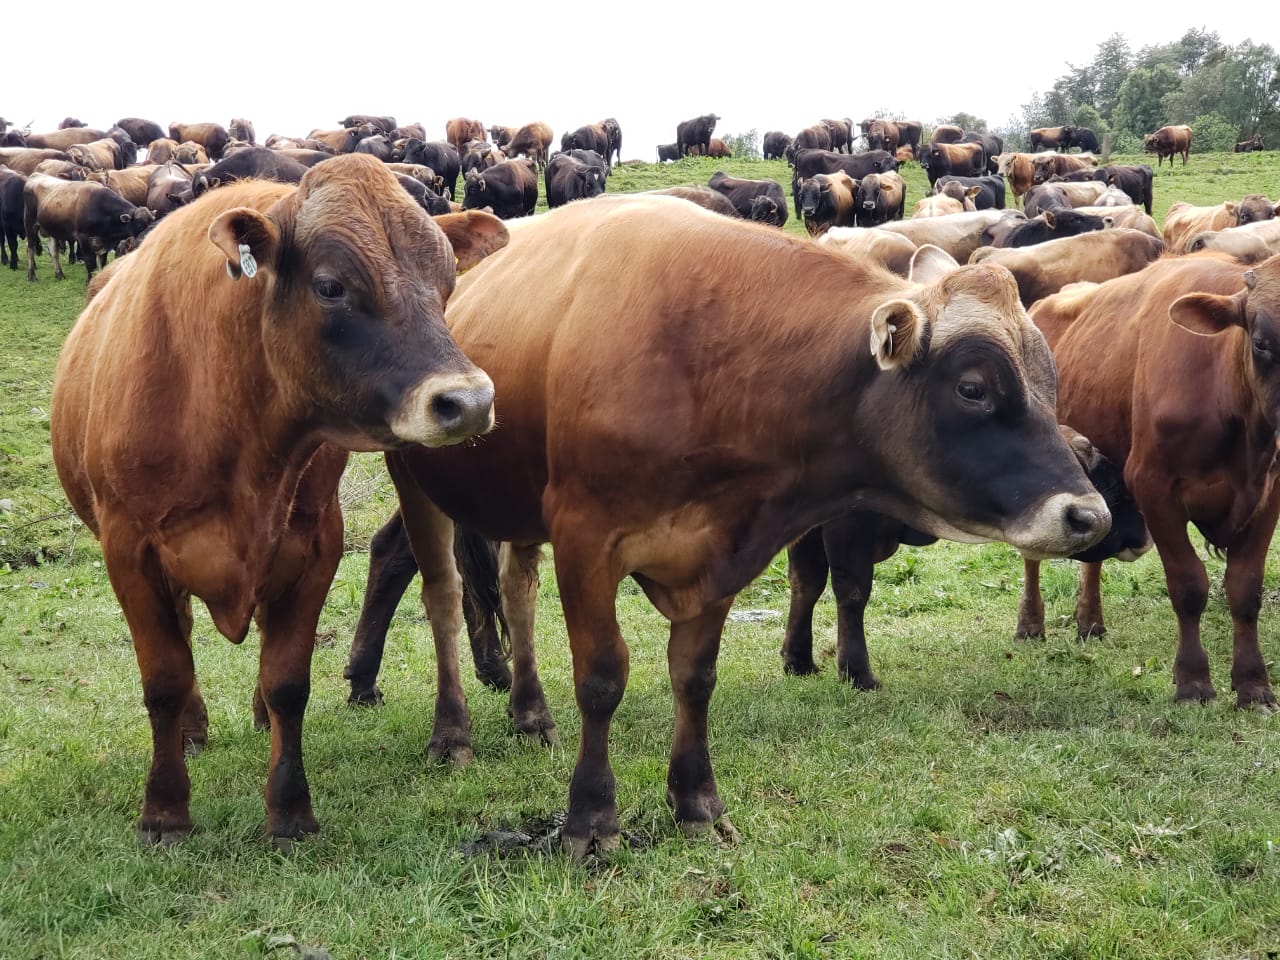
(668, 152)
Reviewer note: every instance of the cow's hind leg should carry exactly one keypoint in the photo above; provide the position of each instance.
(1030, 604)
(391, 570)
(691, 660)
(855, 543)
(807, 576)
(528, 705)
(1089, 622)
(1245, 563)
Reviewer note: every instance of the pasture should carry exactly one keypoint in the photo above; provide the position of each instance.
(995, 799)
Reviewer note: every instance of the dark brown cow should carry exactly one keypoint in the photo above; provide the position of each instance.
(817, 137)
(384, 125)
(140, 131)
(1049, 165)
(745, 195)
(212, 136)
(219, 478)
(841, 134)
(1204, 453)
(1250, 145)
(1168, 142)
(883, 135)
(241, 129)
(954, 159)
(946, 133)
(621, 447)
(61, 139)
(500, 136)
(24, 160)
(92, 215)
(775, 145)
(718, 148)
(533, 140)
(460, 130)
(826, 200)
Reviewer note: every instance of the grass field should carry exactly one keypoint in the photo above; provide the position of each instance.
(996, 799)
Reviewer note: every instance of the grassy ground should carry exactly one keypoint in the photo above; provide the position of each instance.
(996, 799)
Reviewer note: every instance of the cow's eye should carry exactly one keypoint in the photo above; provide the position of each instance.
(327, 288)
(971, 390)
(1262, 348)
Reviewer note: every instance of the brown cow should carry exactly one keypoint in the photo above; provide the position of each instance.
(500, 136)
(1130, 215)
(1182, 221)
(622, 447)
(946, 133)
(1050, 138)
(941, 204)
(92, 215)
(460, 130)
(718, 148)
(1046, 165)
(130, 183)
(890, 250)
(212, 136)
(218, 478)
(959, 234)
(162, 150)
(104, 154)
(190, 152)
(883, 135)
(1203, 453)
(1168, 142)
(342, 140)
(242, 129)
(1250, 243)
(24, 160)
(1044, 268)
(532, 140)
(67, 137)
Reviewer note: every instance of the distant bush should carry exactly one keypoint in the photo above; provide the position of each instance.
(1213, 133)
(746, 145)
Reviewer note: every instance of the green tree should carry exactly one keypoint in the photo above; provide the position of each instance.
(1087, 115)
(745, 145)
(1140, 104)
(1241, 85)
(966, 122)
(1212, 133)
(1110, 68)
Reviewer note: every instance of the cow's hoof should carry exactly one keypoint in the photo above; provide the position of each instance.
(538, 726)
(292, 828)
(722, 831)
(861, 681)
(1086, 630)
(1031, 631)
(1258, 696)
(194, 742)
(799, 668)
(456, 749)
(369, 696)
(495, 675)
(579, 848)
(1195, 691)
(163, 831)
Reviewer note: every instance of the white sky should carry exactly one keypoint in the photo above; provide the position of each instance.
(649, 65)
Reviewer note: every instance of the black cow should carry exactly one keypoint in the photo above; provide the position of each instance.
(383, 124)
(1050, 225)
(509, 188)
(140, 131)
(668, 151)
(744, 193)
(567, 178)
(377, 146)
(1250, 145)
(11, 216)
(990, 195)
(593, 136)
(258, 163)
(775, 145)
(425, 197)
(695, 133)
(879, 198)
(1084, 138)
(1134, 179)
(953, 159)
(613, 131)
(440, 155)
(807, 163)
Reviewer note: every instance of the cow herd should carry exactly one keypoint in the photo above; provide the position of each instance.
(680, 391)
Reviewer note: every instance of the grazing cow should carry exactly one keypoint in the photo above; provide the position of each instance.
(878, 198)
(627, 455)
(1203, 453)
(460, 130)
(1168, 142)
(1050, 225)
(890, 250)
(883, 135)
(385, 125)
(423, 195)
(958, 234)
(1084, 139)
(1045, 268)
(992, 147)
(775, 145)
(826, 200)
(568, 178)
(807, 163)
(743, 194)
(24, 160)
(668, 152)
(705, 197)
(591, 136)
(212, 136)
(990, 195)
(140, 131)
(954, 159)
(1047, 165)
(219, 477)
(694, 133)
(1249, 243)
(841, 134)
(1050, 138)
(1250, 145)
(904, 153)
(91, 215)
(946, 133)
(440, 156)
(940, 205)
(258, 163)
(241, 129)
(531, 140)
(12, 220)
(850, 546)
(509, 188)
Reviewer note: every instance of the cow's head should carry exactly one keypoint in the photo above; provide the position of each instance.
(1254, 208)
(967, 393)
(1256, 310)
(813, 192)
(355, 277)
(767, 210)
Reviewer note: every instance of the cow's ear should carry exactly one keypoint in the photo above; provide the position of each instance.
(898, 330)
(247, 238)
(1050, 219)
(1230, 207)
(929, 264)
(1088, 455)
(1207, 314)
(473, 235)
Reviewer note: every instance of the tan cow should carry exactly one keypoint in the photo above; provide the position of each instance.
(1019, 170)
(1045, 268)
(891, 250)
(1183, 221)
(1249, 243)
(200, 424)
(959, 234)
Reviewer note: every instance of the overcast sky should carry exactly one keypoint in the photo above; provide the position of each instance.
(650, 64)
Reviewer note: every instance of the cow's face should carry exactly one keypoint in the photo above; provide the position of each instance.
(812, 194)
(968, 391)
(356, 277)
(1255, 309)
(1254, 208)
(868, 192)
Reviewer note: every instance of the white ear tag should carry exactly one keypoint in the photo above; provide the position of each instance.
(247, 263)
(892, 330)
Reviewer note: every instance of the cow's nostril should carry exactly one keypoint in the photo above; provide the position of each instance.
(447, 408)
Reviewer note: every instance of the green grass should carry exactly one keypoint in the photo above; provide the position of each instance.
(996, 799)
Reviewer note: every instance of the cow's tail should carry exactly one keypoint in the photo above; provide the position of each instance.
(477, 559)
